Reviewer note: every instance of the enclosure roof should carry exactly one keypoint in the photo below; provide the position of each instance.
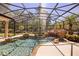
(50, 11)
(6, 16)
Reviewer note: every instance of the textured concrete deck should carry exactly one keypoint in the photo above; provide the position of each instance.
(48, 49)
(3, 39)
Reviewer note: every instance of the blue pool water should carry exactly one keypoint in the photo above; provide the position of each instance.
(45, 40)
(21, 47)
(18, 48)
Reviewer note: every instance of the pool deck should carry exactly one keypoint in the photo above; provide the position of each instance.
(16, 36)
(48, 49)
(3, 39)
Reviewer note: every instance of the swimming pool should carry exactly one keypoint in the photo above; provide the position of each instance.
(21, 47)
(18, 48)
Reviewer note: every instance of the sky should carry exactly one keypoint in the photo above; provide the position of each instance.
(49, 5)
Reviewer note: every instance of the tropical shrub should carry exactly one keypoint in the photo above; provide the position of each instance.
(73, 37)
(26, 35)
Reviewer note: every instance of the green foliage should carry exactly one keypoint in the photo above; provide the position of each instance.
(9, 40)
(26, 35)
(73, 37)
(21, 27)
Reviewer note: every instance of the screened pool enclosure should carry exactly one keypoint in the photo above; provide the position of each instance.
(24, 26)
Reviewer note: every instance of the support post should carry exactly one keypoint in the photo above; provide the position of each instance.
(6, 29)
(71, 49)
(14, 28)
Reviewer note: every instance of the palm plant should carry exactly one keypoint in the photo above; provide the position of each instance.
(71, 19)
